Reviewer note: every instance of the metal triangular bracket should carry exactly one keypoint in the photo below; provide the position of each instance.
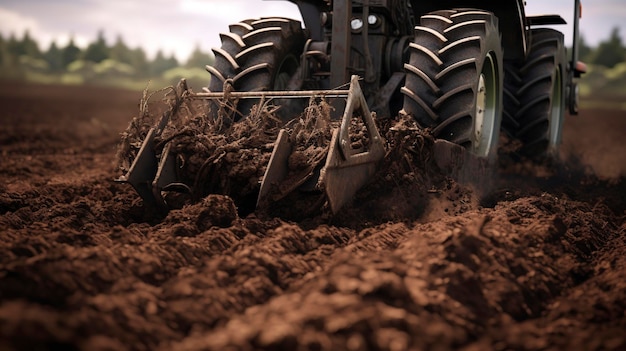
(348, 169)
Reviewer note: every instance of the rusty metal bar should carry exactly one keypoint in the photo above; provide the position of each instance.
(295, 94)
(340, 45)
(340, 50)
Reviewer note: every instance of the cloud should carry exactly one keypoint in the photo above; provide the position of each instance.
(599, 17)
(174, 26)
(14, 23)
(237, 10)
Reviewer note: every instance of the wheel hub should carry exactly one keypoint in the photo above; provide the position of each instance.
(556, 113)
(484, 127)
(481, 102)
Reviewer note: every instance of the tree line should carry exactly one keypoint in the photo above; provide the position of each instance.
(20, 57)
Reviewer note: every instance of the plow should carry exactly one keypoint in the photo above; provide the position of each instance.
(462, 71)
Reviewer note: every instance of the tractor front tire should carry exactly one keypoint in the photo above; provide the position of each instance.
(454, 78)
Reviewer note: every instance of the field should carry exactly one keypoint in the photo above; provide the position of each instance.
(538, 263)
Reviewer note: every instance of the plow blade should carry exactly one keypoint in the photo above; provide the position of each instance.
(345, 168)
(150, 171)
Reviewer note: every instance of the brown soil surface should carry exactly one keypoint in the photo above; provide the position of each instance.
(536, 263)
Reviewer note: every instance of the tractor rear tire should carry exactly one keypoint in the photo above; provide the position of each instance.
(258, 55)
(454, 78)
(535, 106)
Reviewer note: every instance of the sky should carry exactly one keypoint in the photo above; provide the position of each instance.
(178, 26)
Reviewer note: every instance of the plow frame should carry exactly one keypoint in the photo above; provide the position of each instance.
(345, 169)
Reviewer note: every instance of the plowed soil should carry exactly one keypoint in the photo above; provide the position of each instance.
(536, 262)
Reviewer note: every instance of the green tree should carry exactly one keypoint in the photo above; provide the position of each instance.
(120, 52)
(30, 46)
(610, 52)
(199, 59)
(12, 51)
(25, 47)
(161, 64)
(70, 53)
(14, 47)
(54, 57)
(97, 51)
(139, 61)
(3, 54)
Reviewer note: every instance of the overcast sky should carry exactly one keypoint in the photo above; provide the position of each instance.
(177, 26)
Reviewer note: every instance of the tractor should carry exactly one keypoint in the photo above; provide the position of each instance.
(463, 69)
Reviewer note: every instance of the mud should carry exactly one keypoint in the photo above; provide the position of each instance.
(417, 262)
